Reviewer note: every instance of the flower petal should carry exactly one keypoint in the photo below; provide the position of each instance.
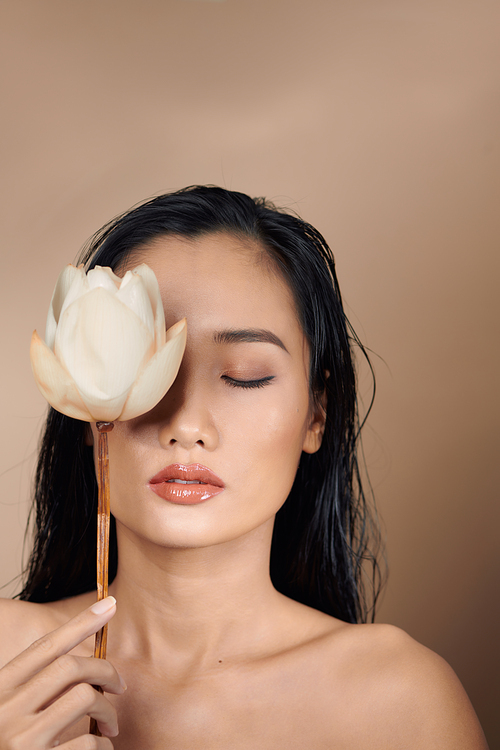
(153, 290)
(158, 374)
(102, 344)
(103, 276)
(79, 286)
(54, 382)
(133, 293)
(61, 289)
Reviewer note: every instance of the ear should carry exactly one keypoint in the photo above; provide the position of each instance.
(316, 428)
(87, 435)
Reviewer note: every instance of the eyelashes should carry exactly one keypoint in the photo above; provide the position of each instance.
(260, 383)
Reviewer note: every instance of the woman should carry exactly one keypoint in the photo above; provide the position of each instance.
(216, 651)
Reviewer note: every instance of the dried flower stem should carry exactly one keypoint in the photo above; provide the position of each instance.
(102, 543)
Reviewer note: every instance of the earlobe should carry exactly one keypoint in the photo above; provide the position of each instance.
(316, 429)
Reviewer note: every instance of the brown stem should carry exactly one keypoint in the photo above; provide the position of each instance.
(101, 636)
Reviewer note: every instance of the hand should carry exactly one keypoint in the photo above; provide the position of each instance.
(44, 690)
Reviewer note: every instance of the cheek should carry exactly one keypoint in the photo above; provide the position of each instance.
(127, 464)
(272, 450)
(285, 430)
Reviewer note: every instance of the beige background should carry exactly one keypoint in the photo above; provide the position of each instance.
(378, 121)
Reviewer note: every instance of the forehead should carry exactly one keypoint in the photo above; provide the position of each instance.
(220, 280)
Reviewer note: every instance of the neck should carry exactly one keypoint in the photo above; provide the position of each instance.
(202, 605)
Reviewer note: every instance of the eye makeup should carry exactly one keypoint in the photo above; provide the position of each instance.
(258, 383)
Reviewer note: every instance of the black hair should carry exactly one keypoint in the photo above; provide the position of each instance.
(325, 542)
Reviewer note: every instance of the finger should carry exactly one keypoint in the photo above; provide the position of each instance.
(82, 700)
(58, 642)
(68, 670)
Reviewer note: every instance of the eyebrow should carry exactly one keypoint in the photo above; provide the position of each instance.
(248, 335)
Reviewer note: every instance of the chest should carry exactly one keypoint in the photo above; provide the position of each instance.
(234, 709)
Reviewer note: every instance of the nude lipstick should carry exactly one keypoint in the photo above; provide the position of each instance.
(186, 485)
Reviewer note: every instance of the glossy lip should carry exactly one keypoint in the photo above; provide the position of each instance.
(186, 494)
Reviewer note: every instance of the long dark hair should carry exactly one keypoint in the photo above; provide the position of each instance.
(325, 544)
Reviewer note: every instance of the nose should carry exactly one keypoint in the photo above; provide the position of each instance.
(186, 418)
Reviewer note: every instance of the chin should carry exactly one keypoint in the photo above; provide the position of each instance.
(189, 533)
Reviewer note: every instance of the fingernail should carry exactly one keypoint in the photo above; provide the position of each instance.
(122, 681)
(104, 605)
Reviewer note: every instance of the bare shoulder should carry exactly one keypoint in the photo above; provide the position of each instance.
(400, 693)
(22, 623)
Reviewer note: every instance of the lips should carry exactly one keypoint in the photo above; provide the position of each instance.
(186, 485)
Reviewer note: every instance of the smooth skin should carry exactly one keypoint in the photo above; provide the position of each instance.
(213, 656)
(45, 688)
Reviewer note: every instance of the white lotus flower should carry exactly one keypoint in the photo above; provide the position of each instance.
(106, 354)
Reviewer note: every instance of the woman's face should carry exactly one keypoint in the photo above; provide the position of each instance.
(239, 406)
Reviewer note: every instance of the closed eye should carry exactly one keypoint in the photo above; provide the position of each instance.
(260, 383)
